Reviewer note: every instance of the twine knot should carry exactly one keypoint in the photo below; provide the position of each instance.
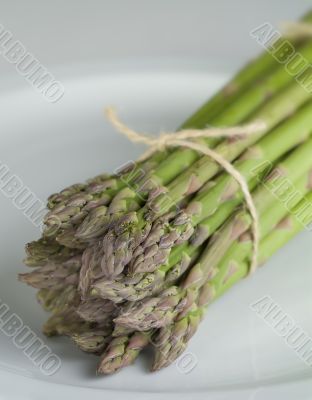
(185, 138)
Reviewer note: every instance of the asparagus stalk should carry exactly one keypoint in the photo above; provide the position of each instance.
(121, 352)
(96, 310)
(42, 251)
(93, 341)
(54, 276)
(58, 300)
(65, 322)
(57, 198)
(243, 79)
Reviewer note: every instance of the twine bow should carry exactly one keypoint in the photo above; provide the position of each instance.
(184, 138)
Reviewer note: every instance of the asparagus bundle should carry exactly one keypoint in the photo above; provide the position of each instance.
(135, 258)
(210, 213)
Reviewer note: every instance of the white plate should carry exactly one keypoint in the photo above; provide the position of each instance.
(52, 145)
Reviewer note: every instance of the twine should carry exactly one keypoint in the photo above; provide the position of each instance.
(184, 138)
(296, 29)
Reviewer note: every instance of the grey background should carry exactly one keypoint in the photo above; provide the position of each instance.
(77, 33)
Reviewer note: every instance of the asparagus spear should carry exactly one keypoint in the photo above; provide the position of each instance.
(121, 352)
(96, 310)
(42, 251)
(58, 300)
(54, 276)
(93, 341)
(243, 79)
(57, 198)
(65, 322)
